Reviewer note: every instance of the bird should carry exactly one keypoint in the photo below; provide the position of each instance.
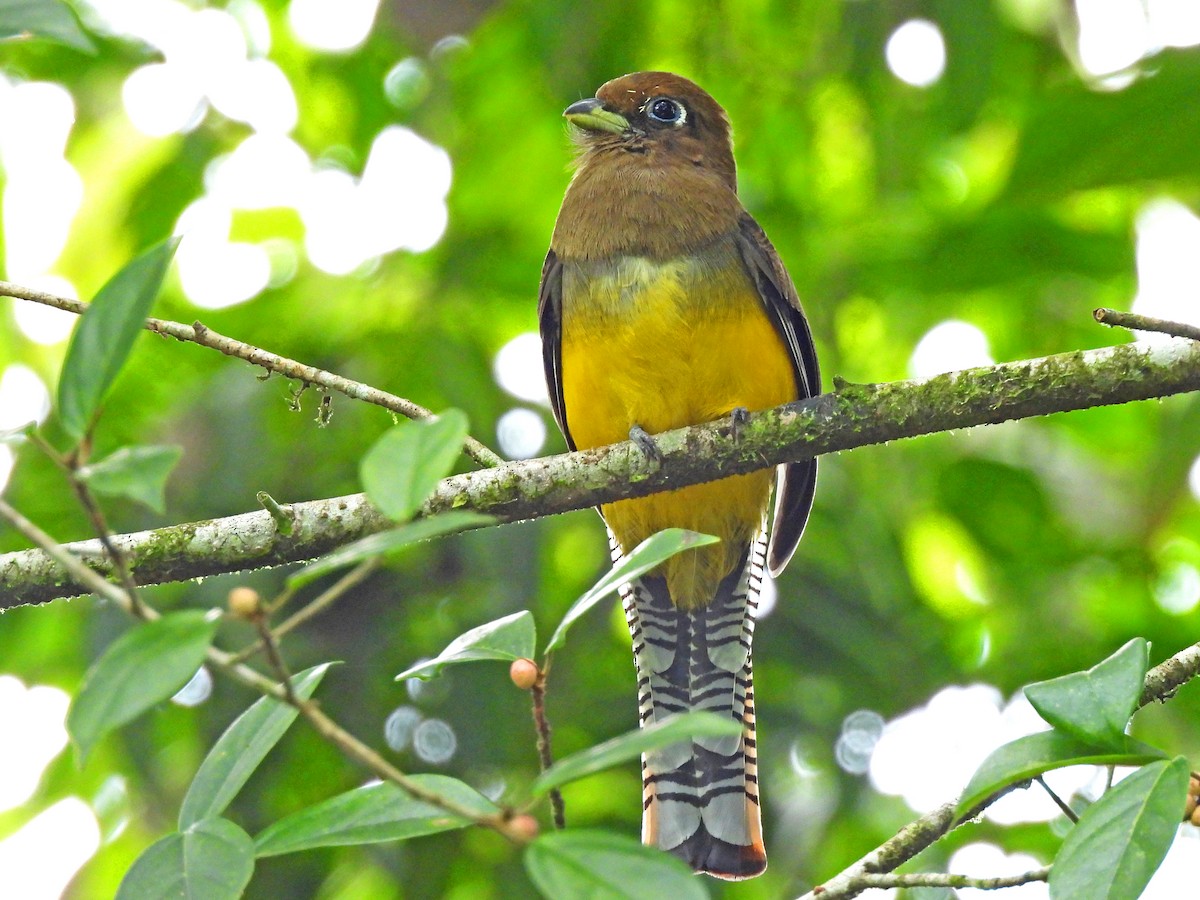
(663, 304)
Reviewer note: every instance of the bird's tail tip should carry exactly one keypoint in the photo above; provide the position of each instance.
(721, 859)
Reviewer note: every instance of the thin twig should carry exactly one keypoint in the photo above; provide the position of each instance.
(545, 757)
(1135, 322)
(938, 879)
(100, 525)
(351, 746)
(1058, 801)
(198, 333)
(275, 657)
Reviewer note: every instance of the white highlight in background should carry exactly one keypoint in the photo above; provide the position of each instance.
(1194, 478)
(916, 53)
(399, 203)
(263, 171)
(949, 346)
(1113, 34)
(36, 714)
(42, 191)
(40, 860)
(520, 433)
(7, 461)
(23, 398)
(982, 860)
(518, 368)
(930, 753)
(215, 272)
(1174, 23)
(333, 25)
(42, 324)
(1168, 264)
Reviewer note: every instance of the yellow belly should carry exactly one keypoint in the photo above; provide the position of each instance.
(663, 346)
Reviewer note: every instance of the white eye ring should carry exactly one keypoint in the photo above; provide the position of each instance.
(666, 110)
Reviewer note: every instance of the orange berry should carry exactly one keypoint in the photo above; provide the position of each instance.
(244, 602)
(524, 673)
(524, 827)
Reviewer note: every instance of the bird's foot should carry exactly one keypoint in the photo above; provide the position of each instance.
(738, 417)
(645, 443)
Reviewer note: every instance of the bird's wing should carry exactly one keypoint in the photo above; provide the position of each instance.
(550, 326)
(797, 481)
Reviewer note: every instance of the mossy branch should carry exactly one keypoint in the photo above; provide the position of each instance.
(851, 416)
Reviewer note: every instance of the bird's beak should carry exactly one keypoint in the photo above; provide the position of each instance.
(592, 115)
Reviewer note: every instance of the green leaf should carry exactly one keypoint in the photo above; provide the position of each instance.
(211, 860)
(139, 473)
(1121, 839)
(1077, 138)
(144, 666)
(51, 20)
(511, 637)
(18, 435)
(671, 730)
(404, 466)
(602, 866)
(371, 814)
(1095, 706)
(644, 557)
(1029, 756)
(388, 542)
(105, 335)
(238, 752)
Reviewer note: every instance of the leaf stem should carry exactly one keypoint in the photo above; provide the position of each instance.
(545, 757)
(1058, 801)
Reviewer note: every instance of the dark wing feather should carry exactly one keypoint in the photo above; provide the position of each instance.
(797, 480)
(550, 326)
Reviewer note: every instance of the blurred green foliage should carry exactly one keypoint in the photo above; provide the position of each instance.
(1004, 195)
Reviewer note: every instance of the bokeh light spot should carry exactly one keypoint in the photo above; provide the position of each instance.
(196, 691)
(40, 859)
(434, 742)
(38, 715)
(916, 53)
(398, 728)
(1168, 264)
(518, 368)
(43, 324)
(23, 397)
(1178, 589)
(520, 433)
(949, 346)
(982, 860)
(333, 25)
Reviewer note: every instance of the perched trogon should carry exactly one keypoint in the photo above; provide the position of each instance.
(663, 304)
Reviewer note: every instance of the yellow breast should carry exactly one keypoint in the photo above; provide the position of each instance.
(663, 345)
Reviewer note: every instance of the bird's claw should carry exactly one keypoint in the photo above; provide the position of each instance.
(738, 416)
(645, 443)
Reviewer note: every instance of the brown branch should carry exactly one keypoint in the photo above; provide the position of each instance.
(198, 333)
(851, 416)
(545, 757)
(1134, 322)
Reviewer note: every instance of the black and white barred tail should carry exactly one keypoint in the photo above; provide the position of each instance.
(700, 798)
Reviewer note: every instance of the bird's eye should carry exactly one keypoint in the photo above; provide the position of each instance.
(664, 109)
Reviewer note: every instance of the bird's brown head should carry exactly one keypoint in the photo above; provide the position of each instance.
(652, 114)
